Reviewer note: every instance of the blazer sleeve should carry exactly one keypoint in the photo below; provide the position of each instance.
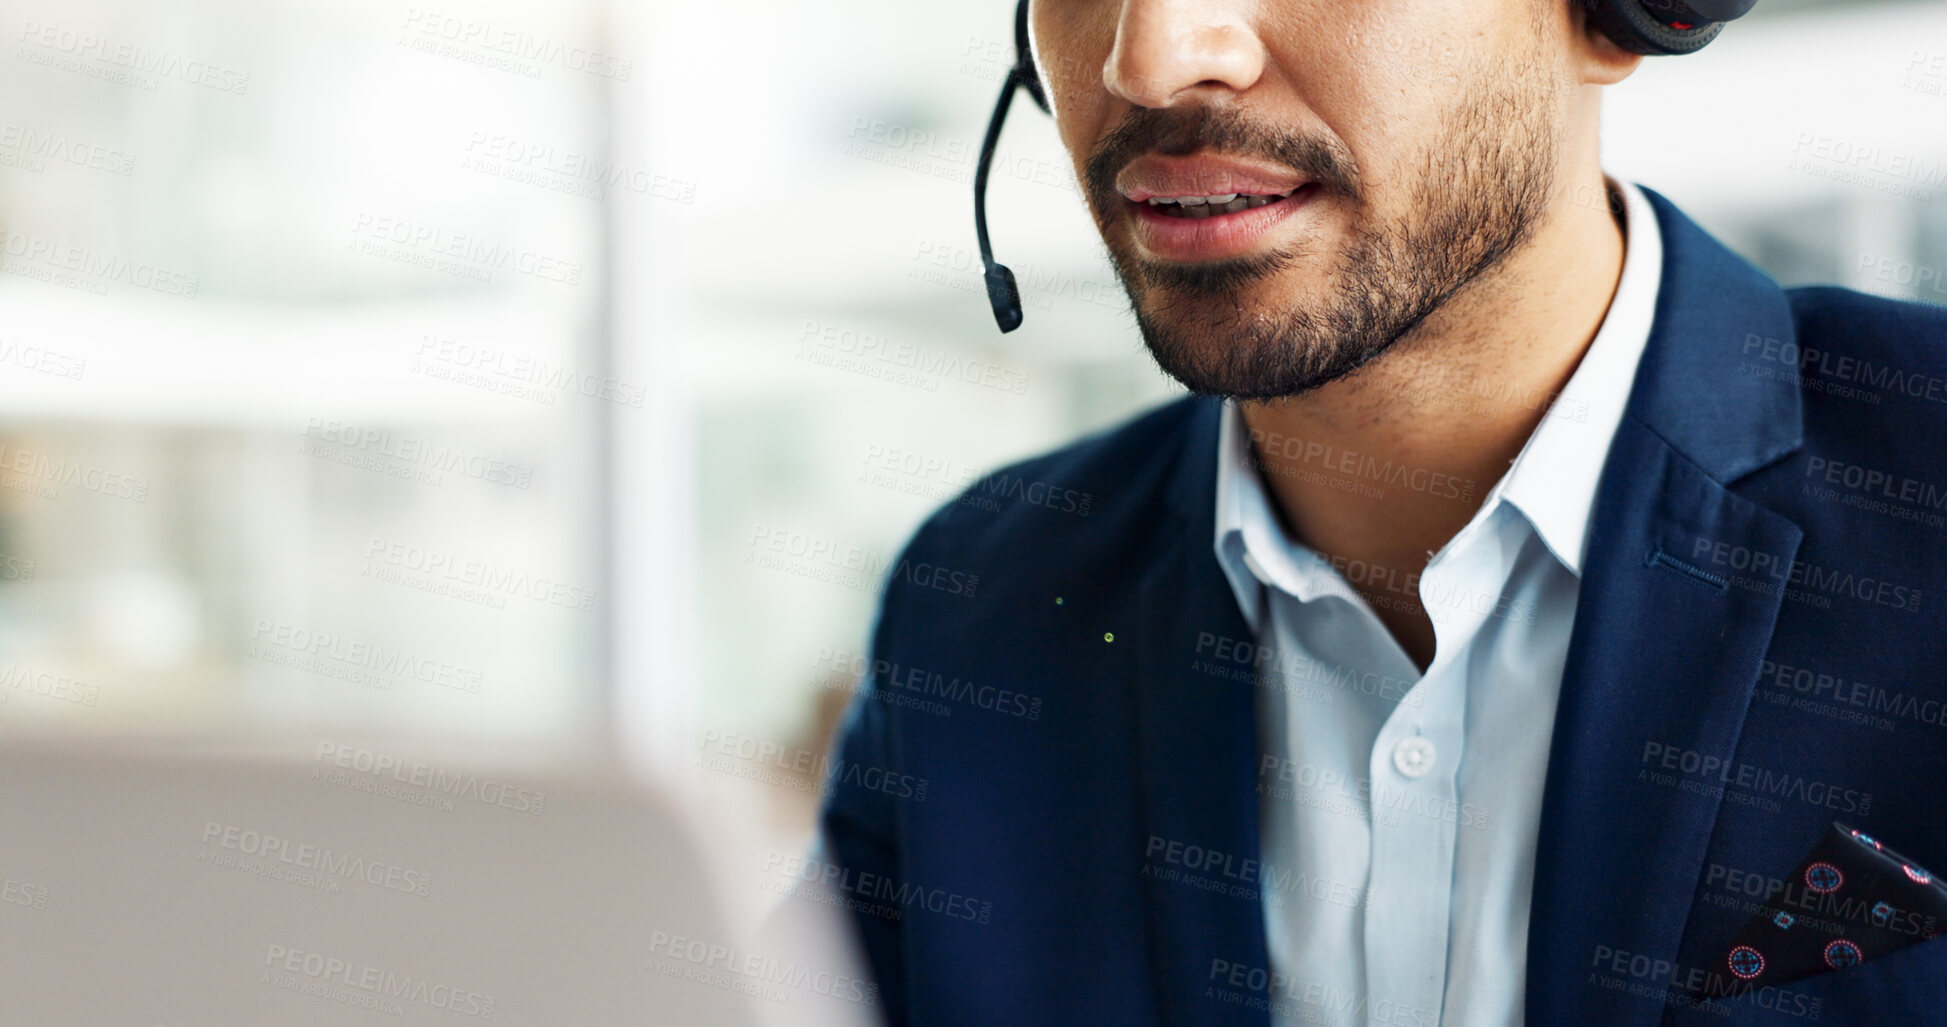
(859, 831)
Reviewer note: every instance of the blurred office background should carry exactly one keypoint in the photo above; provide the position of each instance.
(561, 378)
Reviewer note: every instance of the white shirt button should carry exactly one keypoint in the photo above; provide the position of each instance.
(1414, 756)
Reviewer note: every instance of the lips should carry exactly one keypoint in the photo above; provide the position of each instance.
(1154, 176)
(1209, 207)
(1214, 236)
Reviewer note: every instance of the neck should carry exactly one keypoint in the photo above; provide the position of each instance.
(1451, 406)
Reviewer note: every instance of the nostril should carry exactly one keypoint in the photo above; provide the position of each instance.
(1135, 87)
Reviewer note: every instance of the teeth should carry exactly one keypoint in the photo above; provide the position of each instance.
(1211, 206)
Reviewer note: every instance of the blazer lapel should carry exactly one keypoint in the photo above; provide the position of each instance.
(1681, 588)
(1196, 764)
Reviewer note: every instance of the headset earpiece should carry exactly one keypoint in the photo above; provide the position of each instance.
(1664, 28)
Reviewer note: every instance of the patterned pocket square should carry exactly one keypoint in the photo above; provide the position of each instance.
(1851, 899)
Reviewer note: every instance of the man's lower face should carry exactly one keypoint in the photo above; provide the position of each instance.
(1324, 283)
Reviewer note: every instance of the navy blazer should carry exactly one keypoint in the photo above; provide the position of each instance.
(1759, 649)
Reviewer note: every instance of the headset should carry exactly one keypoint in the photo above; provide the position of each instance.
(1653, 27)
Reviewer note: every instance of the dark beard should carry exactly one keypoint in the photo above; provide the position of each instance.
(1482, 189)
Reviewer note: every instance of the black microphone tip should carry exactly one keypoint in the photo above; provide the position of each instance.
(1005, 297)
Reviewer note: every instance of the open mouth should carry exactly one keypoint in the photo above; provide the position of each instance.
(1194, 228)
(1199, 207)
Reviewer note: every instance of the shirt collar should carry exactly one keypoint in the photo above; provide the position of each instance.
(1552, 481)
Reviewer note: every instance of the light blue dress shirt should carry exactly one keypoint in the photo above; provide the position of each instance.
(1398, 810)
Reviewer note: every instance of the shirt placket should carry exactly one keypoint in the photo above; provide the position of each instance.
(1413, 771)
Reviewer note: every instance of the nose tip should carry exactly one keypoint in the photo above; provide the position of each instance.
(1161, 54)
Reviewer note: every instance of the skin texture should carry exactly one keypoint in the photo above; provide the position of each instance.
(1434, 295)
